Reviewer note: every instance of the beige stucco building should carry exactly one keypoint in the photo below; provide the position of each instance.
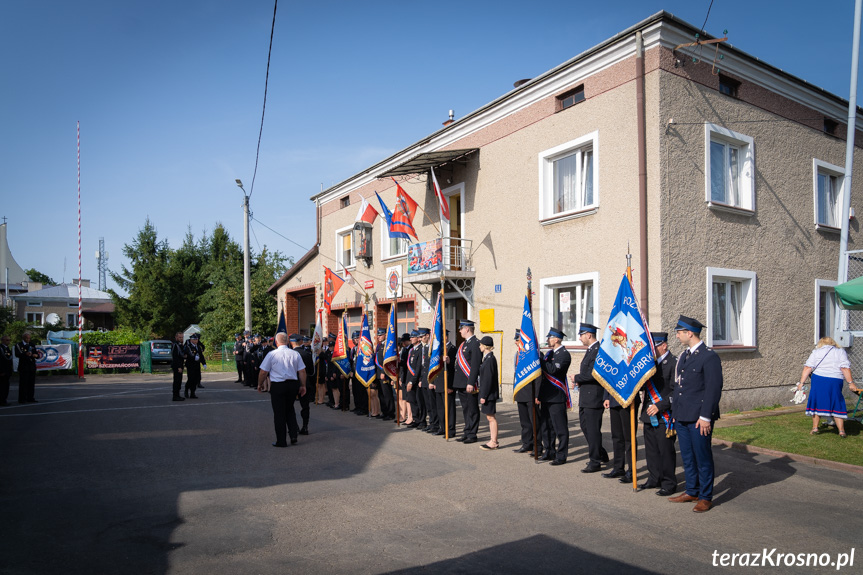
(721, 177)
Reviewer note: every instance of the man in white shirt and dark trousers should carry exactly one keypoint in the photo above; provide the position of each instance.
(283, 374)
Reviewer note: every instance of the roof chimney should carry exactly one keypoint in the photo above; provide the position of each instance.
(450, 121)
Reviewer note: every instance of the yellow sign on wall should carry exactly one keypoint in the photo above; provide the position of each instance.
(486, 320)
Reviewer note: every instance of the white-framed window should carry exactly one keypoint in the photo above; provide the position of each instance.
(35, 317)
(827, 181)
(72, 319)
(730, 308)
(569, 179)
(72, 304)
(34, 304)
(392, 247)
(825, 308)
(729, 169)
(344, 248)
(566, 302)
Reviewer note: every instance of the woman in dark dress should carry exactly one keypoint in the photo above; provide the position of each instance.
(488, 389)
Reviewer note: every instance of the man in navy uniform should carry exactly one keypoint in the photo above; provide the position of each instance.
(695, 405)
(388, 409)
(414, 371)
(526, 408)
(446, 413)
(249, 376)
(590, 394)
(178, 359)
(427, 394)
(656, 416)
(26, 353)
(239, 351)
(297, 343)
(361, 394)
(621, 437)
(5, 367)
(194, 360)
(468, 359)
(551, 399)
(401, 384)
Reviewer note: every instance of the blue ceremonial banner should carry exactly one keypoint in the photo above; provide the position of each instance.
(625, 359)
(527, 366)
(283, 327)
(436, 348)
(365, 367)
(391, 352)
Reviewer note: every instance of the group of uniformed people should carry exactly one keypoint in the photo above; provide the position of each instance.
(188, 355)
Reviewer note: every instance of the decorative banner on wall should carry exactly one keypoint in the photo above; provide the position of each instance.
(425, 257)
(394, 282)
(113, 356)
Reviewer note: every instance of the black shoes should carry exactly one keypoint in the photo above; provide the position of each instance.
(200, 386)
(178, 398)
(523, 449)
(647, 485)
(470, 440)
(277, 444)
(558, 462)
(547, 457)
(613, 473)
(439, 432)
(186, 393)
(293, 441)
(462, 438)
(626, 479)
(665, 492)
(591, 469)
(304, 430)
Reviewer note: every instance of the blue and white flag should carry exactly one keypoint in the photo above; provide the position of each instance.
(527, 366)
(625, 359)
(391, 353)
(436, 347)
(365, 368)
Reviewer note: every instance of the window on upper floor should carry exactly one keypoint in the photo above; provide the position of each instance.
(567, 302)
(728, 86)
(72, 319)
(827, 189)
(344, 248)
(730, 307)
(392, 247)
(830, 126)
(35, 317)
(405, 317)
(569, 181)
(34, 304)
(729, 166)
(570, 98)
(344, 202)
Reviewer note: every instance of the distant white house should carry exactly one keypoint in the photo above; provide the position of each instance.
(40, 306)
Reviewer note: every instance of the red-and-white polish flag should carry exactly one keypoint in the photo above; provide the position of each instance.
(444, 205)
(367, 213)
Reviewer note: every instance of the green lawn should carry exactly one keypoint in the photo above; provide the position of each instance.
(790, 433)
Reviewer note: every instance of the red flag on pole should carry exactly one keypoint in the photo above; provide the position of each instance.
(444, 205)
(367, 213)
(332, 285)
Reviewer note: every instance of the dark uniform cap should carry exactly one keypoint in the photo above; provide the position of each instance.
(355, 335)
(236, 335)
(415, 333)
(447, 331)
(587, 328)
(405, 337)
(194, 336)
(659, 337)
(423, 331)
(688, 323)
(247, 332)
(487, 341)
(294, 337)
(553, 332)
(465, 323)
(382, 331)
(331, 336)
(517, 334)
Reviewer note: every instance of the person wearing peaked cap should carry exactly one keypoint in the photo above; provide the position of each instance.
(590, 399)
(656, 421)
(428, 394)
(295, 342)
(468, 360)
(412, 373)
(417, 379)
(489, 387)
(525, 401)
(178, 360)
(239, 351)
(446, 412)
(194, 360)
(388, 405)
(695, 405)
(551, 398)
(249, 361)
(404, 406)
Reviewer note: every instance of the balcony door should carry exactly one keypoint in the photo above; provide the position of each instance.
(454, 228)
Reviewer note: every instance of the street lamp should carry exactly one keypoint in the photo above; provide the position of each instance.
(247, 280)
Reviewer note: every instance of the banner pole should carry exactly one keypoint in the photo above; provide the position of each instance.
(632, 405)
(533, 382)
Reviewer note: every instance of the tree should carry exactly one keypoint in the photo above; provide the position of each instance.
(37, 276)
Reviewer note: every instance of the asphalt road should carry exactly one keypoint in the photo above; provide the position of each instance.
(110, 476)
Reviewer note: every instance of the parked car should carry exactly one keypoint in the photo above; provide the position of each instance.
(160, 351)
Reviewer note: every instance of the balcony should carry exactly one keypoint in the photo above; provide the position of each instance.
(452, 262)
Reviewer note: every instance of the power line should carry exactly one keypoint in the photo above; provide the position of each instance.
(708, 15)
(263, 111)
(280, 235)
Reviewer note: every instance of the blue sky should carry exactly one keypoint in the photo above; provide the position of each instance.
(169, 97)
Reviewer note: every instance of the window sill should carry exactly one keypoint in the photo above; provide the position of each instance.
(569, 216)
(828, 229)
(734, 348)
(393, 258)
(720, 207)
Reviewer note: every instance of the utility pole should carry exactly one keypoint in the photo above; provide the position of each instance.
(247, 278)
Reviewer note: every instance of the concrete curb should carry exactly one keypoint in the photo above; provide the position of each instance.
(814, 461)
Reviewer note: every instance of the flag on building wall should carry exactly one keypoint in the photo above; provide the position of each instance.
(332, 284)
(391, 353)
(527, 365)
(367, 213)
(442, 201)
(340, 351)
(365, 367)
(397, 223)
(437, 343)
(626, 358)
(405, 203)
